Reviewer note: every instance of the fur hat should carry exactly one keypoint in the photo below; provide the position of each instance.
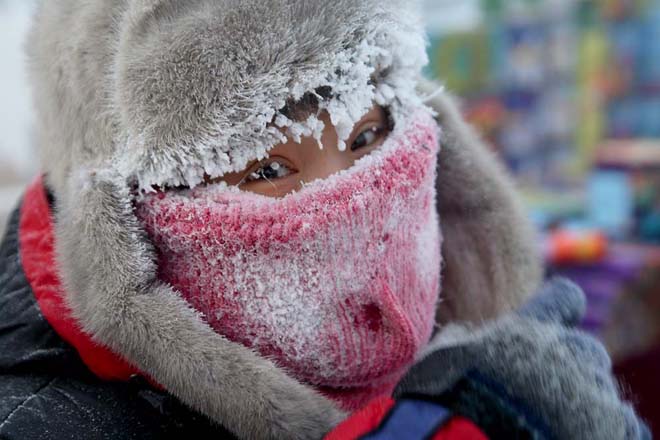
(161, 92)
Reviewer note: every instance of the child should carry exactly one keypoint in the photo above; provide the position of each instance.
(241, 204)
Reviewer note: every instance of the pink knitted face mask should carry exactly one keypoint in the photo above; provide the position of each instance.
(337, 283)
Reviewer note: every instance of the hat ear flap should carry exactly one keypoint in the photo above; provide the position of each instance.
(491, 257)
(108, 267)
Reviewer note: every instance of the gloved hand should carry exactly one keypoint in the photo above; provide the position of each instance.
(527, 374)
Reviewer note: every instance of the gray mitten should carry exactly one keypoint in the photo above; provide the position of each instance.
(528, 374)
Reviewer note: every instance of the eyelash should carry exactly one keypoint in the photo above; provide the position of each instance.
(376, 131)
(281, 170)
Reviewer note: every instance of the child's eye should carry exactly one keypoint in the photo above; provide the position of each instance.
(367, 137)
(269, 171)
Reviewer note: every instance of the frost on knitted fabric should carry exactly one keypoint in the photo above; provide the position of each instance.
(337, 283)
(382, 70)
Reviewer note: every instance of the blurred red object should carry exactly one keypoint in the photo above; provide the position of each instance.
(564, 247)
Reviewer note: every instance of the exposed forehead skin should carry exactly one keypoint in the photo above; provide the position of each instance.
(164, 79)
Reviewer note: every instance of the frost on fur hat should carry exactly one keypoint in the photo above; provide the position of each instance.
(364, 52)
(191, 88)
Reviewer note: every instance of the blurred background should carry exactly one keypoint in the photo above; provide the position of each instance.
(17, 159)
(567, 92)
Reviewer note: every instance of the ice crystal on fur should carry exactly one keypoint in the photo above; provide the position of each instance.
(383, 69)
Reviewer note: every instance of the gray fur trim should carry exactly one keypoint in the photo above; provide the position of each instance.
(492, 259)
(171, 90)
(109, 272)
(560, 375)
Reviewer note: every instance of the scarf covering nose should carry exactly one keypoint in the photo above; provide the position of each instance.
(336, 283)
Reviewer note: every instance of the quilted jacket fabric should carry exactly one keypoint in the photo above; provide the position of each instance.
(47, 392)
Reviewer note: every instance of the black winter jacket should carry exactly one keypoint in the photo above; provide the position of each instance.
(47, 392)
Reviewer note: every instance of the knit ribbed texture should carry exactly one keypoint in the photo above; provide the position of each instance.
(337, 283)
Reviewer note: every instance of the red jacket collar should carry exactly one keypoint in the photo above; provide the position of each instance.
(36, 241)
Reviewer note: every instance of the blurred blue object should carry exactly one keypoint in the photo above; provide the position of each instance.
(611, 201)
(650, 227)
